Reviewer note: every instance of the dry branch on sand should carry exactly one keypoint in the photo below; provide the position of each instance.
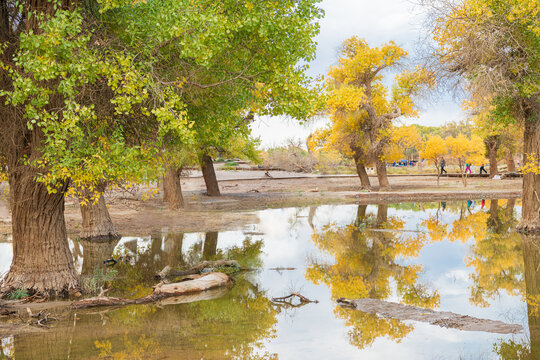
(440, 318)
(194, 284)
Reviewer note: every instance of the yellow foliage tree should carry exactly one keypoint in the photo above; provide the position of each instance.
(362, 108)
(434, 151)
(465, 151)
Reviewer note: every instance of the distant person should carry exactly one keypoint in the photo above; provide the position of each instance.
(443, 204)
(483, 203)
(482, 169)
(443, 164)
(468, 168)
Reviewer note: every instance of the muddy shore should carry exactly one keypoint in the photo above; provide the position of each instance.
(247, 191)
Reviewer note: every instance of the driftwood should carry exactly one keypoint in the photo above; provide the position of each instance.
(282, 268)
(169, 272)
(440, 318)
(161, 291)
(288, 300)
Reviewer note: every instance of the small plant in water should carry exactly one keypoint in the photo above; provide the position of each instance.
(18, 294)
(94, 283)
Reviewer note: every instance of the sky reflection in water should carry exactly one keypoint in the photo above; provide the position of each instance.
(453, 258)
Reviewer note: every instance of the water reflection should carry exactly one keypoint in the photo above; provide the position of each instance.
(455, 256)
(365, 257)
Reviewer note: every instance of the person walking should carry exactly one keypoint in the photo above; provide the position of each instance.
(482, 169)
(468, 168)
(443, 164)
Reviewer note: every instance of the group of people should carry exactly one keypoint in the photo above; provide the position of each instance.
(468, 169)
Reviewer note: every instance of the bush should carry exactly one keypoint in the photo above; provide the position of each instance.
(290, 158)
(92, 285)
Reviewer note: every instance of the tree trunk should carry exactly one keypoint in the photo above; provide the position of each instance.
(381, 175)
(41, 261)
(492, 144)
(362, 174)
(165, 195)
(96, 221)
(530, 219)
(173, 188)
(209, 175)
(210, 245)
(510, 163)
(531, 260)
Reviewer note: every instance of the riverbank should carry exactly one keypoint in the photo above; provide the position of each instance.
(245, 191)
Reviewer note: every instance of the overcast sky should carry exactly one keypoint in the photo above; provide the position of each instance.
(377, 21)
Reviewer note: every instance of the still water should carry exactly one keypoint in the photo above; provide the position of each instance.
(460, 257)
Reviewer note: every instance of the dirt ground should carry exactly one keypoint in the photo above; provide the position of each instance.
(246, 191)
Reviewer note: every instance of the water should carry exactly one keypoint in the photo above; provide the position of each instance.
(459, 257)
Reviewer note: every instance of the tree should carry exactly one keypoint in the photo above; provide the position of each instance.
(90, 93)
(70, 104)
(434, 150)
(405, 141)
(255, 72)
(465, 151)
(491, 133)
(493, 46)
(360, 106)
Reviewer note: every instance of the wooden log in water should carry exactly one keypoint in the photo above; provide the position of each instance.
(440, 318)
(195, 284)
(170, 272)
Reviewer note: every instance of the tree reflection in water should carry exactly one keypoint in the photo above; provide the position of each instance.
(232, 325)
(366, 254)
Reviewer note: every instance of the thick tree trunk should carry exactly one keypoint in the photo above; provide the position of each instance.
(209, 175)
(381, 175)
(42, 261)
(530, 219)
(531, 260)
(173, 188)
(510, 163)
(210, 245)
(492, 144)
(96, 221)
(362, 174)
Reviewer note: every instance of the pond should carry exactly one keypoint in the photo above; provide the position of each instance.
(460, 257)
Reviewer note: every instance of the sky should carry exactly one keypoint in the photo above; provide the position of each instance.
(377, 21)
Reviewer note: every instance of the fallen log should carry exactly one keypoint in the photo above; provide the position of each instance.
(440, 318)
(161, 291)
(197, 269)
